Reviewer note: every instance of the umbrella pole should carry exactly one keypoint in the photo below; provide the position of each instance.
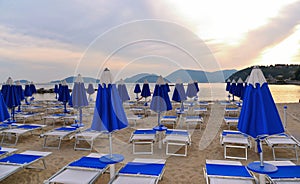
(110, 144)
(285, 117)
(80, 116)
(65, 107)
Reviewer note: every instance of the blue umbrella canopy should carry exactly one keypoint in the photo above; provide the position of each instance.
(90, 90)
(191, 90)
(137, 90)
(64, 95)
(228, 84)
(11, 97)
(259, 116)
(179, 93)
(32, 88)
(109, 114)
(56, 90)
(4, 115)
(79, 98)
(27, 90)
(160, 99)
(123, 93)
(239, 88)
(20, 93)
(145, 90)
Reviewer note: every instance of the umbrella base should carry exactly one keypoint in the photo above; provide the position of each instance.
(112, 159)
(77, 125)
(265, 169)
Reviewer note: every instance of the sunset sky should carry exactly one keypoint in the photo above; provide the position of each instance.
(49, 40)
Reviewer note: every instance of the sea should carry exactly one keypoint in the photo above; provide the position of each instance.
(208, 92)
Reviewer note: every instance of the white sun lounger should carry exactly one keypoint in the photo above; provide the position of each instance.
(227, 172)
(231, 121)
(15, 162)
(18, 131)
(140, 171)
(54, 118)
(82, 171)
(236, 140)
(166, 120)
(177, 138)
(231, 111)
(134, 118)
(26, 116)
(283, 141)
(6, 151)
(88, 136)
(58, 134)
(193, 120)
(200, 110)
(143, 137)
(287, 173)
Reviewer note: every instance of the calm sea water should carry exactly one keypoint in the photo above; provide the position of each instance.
(208, 91)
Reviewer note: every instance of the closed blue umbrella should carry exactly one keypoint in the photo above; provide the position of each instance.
(259, 116)
(228, 85)
(79, 98)
(123, 91)
(232, 88)
(11, 97)
(20, 93)
(146, 91)
(56, 90)
(64, 95)
(33, 90)
(239, 88)
(137, 90)
(109, 114)
(179, 94)
(90, 90)
(160, 99)
(4, 115)
(27, 93)
(191, 90)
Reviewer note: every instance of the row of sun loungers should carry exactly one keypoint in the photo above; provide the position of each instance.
(224, 171)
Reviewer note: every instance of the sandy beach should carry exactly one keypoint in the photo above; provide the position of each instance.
(189, 169)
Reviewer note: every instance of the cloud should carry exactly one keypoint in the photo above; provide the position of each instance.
(256, 41)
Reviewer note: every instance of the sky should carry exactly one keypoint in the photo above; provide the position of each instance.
(47, 40)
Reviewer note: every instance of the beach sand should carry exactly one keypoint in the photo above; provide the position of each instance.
(189, 169)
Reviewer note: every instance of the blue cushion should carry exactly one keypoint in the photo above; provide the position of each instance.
(89, 162)
(67, 129)
(20, 158)
(142, 168)
(227, 170)
(286, 172)
(144, 132)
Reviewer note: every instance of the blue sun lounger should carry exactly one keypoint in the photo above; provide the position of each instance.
(287, 173)
(5, 151)
(84, 170)
(227, 172)
(141, 171)
(18, 161)
(143, 137)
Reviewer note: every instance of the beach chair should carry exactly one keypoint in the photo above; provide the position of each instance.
(18, 131)
(200, 110)
(6, 151)
(142, 137)
(193, 120)
(167, 120)
(23, 117)
(134, 118)
(283, 141)
(231, 111)
(231, 121)
(58, 134)
(54, 118)
(88, 136)
(141, 171)
(236, 140)
(227, 172)
(82, 171)
(287, 173)
(18, 161)
(177, 138)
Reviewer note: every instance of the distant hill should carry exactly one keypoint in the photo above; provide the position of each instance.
(140, 78)
(73, 78)
(200, 76)
(277, 74)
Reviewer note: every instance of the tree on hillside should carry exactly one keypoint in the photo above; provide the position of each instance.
(297, 74)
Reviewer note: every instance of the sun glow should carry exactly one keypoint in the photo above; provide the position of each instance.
(284, 52)
(227, 21)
